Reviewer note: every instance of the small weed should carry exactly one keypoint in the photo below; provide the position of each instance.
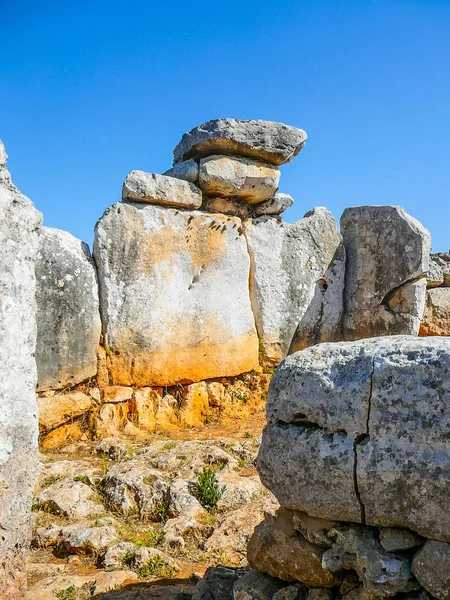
(156, 567)
(73, 593)
(150, 539)
(160, 511)
(149, 479)
(241, 463)
(207, 489)
(128, 558)
(169, 446)
(248, 435)
(240, 395)
(83, 478)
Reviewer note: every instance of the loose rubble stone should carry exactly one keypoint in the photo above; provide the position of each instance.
(435, 274)
(393, 538)
(71, 499)
(277, 549)
(313, 529)
(217, 584)
(68, 316)
(357, 548)
(116, 393)
(227, 206)
(436, 317)
(62, 408)
(237, 177)
(274, 142)
(115, 555)
(89, 540)
(387, 253)
(357, 432)
(275, 205)
(174, 295)
(442, 259)
(431, 566)
(160, 189)
(96, 583)
(114, 448)
(289, 287)
(20, 223)
(187, 170)
(256, 586)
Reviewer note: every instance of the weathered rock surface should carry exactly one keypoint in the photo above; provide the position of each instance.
(187, 170)
(266, 140)
(160, 189)
(297, 278)
(174, 295)
(68, 317)
(238, 177)
(256, 586)
(73, 499)
(217, 584)
(278, 549)
(20, 223)
(394, 538)
(358, 432)
(436, 317)
(273, 206)
(387, 255)
(431, 566)
(435, 274)
(62, 408)
(227, 206)
(442, 260)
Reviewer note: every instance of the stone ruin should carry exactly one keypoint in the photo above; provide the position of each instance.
(195, 278)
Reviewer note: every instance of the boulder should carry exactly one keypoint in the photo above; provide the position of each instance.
(431, 566)
(296, 281)
(68, 317)
(62, 408)
(273, 142)
(238, 177)
(160, 189)
(275, 205)
(73, 499)
(82, 539)
(436, 317)
(20, 223)
(358, 432)
(278, 549)
(217, 584)
(187, 170)
(174, 295)
(256, 586)
(388, 256)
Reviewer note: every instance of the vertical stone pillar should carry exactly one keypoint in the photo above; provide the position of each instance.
(20, 223)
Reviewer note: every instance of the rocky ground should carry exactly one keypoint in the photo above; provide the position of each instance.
(125, 520)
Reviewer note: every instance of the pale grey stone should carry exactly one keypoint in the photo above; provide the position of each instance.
(68, 316)
(435, 274)
(357, 548)
(289, 290)
(20, 223)
(442, 259)
(81, 539)
(174, 295)
(267, 140)
(238, 177)
(256, 586)
(69, 498)
(394, 538)
(160, 189)
(187, 170)
(275, 205)
(431, 566)
(386, 250)
(115, 554)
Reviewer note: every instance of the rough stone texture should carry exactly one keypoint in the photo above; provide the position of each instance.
(435, 274)
(227, 206)
(436, 317)
(217, 584)
(442, 259)
(160, 189)
(278, 549)
(393, 538)
(174, 295)
(431, 566)
(20, 223)
(290, 264)
(62, 408)
(187, 170)
(359, 432)
(68, 317)
(387, 251)
(266, 140)
(237, 177)
(116, 393)
(273, 206)
(256, 586)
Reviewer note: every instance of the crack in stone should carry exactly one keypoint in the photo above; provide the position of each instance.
(391, 293)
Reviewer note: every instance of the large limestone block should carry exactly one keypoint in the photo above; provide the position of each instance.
(436, 317)
(160, 189)
(431, 566)
(267, 140)
(296, 281)
(19, 228)
(68, 314)
(388, 253)
(387, 402)
(238, 177)
(174, 295)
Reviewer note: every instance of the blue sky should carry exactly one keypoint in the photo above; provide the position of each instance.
(91, 90)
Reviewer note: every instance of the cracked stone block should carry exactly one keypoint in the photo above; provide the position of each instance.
(358, 431)
(388, 253)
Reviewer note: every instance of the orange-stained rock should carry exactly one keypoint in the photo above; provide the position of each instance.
(63, 436)
(195, 404)
(62, 408)
(436, 317)
(174, 295)
(116, 393)
(111, 419)
(102, 367)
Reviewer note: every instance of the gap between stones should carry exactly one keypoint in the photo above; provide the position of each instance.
(391, 293)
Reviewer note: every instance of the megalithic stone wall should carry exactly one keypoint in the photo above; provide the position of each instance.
(19, 229)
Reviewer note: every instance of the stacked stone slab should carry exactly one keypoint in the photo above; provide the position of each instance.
(436, 317)
(356, 450)
(19, 229)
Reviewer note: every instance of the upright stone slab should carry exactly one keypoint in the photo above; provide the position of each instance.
(68, 316)
(19, 228)
(296, 281)
(174, 295)
(388, 254)
(358, 431)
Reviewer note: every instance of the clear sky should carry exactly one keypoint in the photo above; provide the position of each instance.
(92, 90)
